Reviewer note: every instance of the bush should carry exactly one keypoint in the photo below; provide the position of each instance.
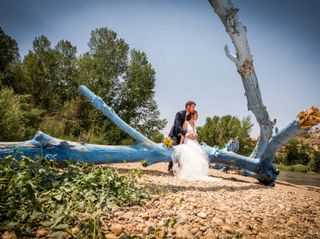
(11, 116)
(17, 120)
(300, 168)
(314, 164)
(61, 200)
(54, 128)
(295, 168)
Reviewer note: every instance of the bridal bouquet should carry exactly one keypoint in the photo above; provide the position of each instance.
(168, 142)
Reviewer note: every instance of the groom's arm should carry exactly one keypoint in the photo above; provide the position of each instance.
(178, 124)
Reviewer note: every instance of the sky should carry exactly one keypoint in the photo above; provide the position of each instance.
(184, 41)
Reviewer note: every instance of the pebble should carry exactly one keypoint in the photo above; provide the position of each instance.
(263, 235)
(203, 228)
(202, 215)
(110, 236)
(144, 215)
(227, 229)
(43, 232)
(182, 218)
(217, 221)
(146, 230)
(226, 209)
(291, 223)
(116, 229)
(153, 214)
(209, 233)
(127, 216)
(9, 235)
(183, 232)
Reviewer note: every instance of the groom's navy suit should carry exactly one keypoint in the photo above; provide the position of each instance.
(177, 130)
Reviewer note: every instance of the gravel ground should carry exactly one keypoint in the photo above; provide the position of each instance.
(237, 207)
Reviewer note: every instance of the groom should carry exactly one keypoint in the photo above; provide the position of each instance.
(177, 131)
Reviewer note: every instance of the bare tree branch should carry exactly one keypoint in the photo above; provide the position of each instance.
(244, 63)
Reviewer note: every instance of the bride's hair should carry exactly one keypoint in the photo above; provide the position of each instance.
(190, 115)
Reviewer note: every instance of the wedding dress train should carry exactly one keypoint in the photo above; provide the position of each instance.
(192, 159)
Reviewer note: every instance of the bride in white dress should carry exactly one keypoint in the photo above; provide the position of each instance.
(192, 159)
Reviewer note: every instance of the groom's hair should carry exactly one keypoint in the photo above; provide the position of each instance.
(190, 102)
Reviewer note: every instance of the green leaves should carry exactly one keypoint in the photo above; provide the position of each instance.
(125, 79)
(51, 75)
(217, 131)
(9, 51)
(42, 194)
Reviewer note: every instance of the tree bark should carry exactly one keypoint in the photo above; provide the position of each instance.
(244, 63)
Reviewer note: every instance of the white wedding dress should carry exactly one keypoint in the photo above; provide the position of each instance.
(192, 159)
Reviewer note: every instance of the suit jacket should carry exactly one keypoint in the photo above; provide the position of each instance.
(177, 126)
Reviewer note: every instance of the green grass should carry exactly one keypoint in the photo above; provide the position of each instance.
(295, 168)
(61, 199)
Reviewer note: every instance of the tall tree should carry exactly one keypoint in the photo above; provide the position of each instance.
(51, 73)
(9, 51)
(137, 104)
(40, 67)
(125, 81)
(104, 64)
(101, 69)
(316, 161)
(297, 152)
(10, 72)
(67, 70)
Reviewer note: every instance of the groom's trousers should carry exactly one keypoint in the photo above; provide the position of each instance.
(176, 141)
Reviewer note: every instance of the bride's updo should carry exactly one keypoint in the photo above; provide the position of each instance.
(190, 115)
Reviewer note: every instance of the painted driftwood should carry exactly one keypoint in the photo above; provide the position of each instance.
(258, 165)
(150, 152)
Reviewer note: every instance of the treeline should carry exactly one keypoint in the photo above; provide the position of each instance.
(217, 131)
(40, 91)
(299, 156)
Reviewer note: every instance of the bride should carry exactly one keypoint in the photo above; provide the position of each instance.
(192, 159)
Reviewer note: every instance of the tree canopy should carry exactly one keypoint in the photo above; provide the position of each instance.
(46, 80)
(217, 131)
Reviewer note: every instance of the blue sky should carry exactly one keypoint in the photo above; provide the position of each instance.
(184, 42)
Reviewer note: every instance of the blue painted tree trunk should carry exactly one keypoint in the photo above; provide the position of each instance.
(145, 150)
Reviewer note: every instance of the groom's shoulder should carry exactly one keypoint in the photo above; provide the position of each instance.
(182, 112)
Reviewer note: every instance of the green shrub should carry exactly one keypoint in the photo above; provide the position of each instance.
(11, 116)
(294, 168)
(17, 120)
(300, 168)
(282, 167)
(63, 199)
(53, 127)
(314, 164)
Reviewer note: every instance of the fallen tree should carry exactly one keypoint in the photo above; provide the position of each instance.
(258, 165)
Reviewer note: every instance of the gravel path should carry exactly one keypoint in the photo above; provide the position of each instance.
(237, 207)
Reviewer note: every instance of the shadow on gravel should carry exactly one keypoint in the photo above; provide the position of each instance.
(213, 188)
(157, 173)
(247, 185)
(150, 172)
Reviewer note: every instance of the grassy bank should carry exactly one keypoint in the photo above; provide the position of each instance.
(295, 168)
(46, 198)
